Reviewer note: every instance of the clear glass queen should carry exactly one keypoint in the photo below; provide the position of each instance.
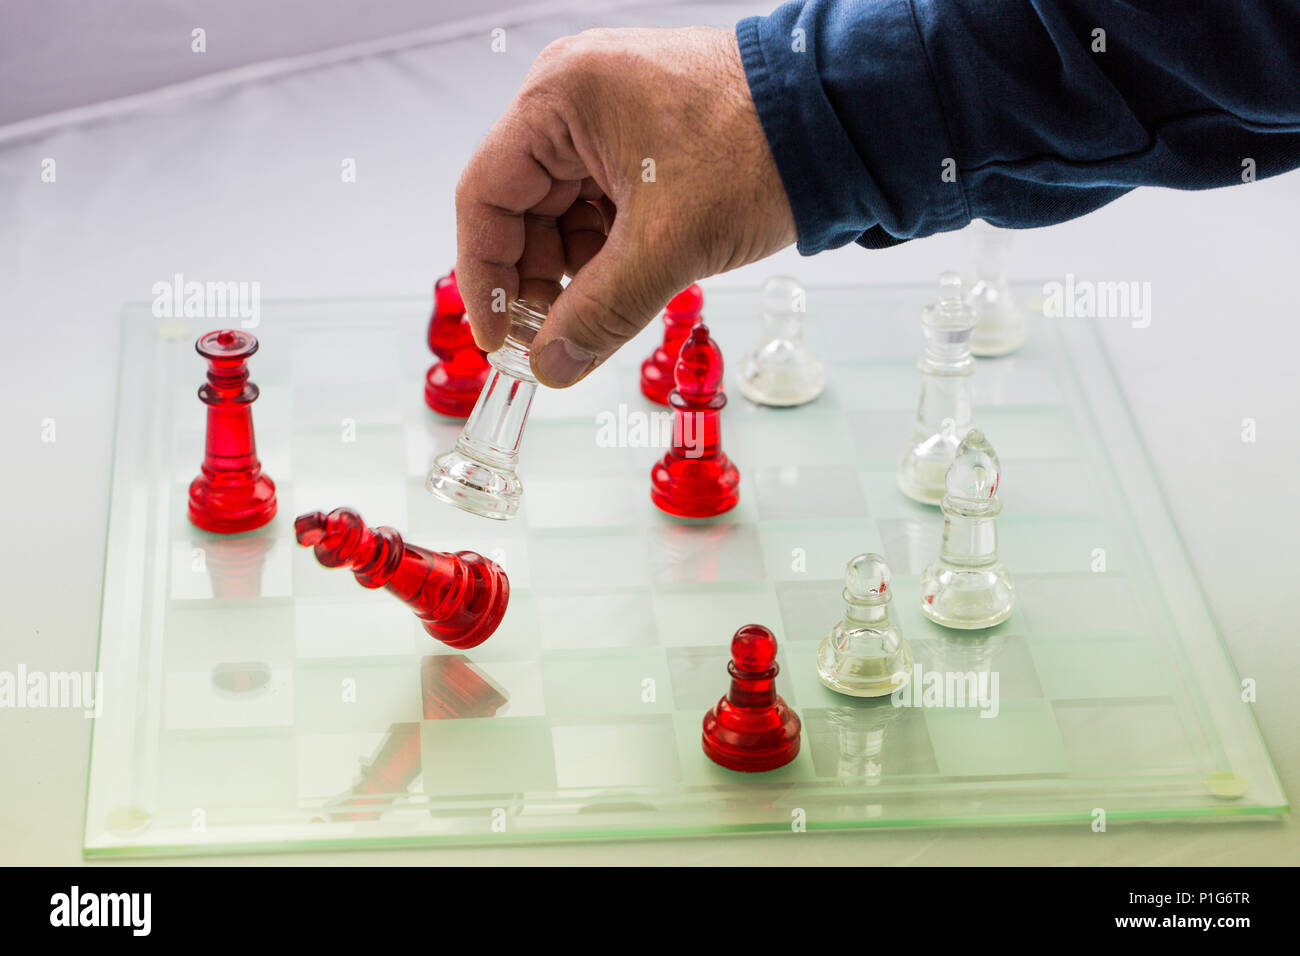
(478, 475)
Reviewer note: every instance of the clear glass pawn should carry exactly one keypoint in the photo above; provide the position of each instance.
(782, 371)
(478, 474)
(865, 655)
(1000, 324)
(967, 587)
(943, 414)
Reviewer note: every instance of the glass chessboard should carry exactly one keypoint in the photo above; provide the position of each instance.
(253, 699)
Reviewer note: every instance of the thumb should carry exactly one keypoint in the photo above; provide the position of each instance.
(610, 299)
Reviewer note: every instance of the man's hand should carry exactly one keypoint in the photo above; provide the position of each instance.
(630, 160)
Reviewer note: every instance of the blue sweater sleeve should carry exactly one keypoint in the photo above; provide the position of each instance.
(895, 119)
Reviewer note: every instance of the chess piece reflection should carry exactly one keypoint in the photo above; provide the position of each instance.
(679, 318)
(1000, 324)
(454, 380)
(231, 493)
(943, 414)
(453, 689)
(865, 654)
(459, 598)
(478, 475)
(783, 370)
(234, 565)
(860, 734)
(967, 587)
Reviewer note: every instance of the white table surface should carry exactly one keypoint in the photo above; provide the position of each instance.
(243, 184)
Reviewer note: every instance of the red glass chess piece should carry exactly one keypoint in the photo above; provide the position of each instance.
(231, 493)
(696, 479)
(679, 318)
(460, 598)
(752, 729)
(453, 382)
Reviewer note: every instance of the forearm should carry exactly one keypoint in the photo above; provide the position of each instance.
(895, 119)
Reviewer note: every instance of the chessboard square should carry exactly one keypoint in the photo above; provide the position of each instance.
(581, 502)
(332, 358)
(877, 386)
(1058, 487)
(1068, 605)
(607, 683)
(912, 543)
(566, 447)
(352, 410)
(769, 786)
(205, 566)
(700, 552)
(884, 498)
(585, 562)
(789, 435)
(199, 636)
(623, 752)
(476, 758)
(1101, 668)
(611, 618)
(816, 550)
(713, 613)
(219, 771)
(428, 435)
(809, 609)
(342, 696)
(329, 765)
(1059, 545)
(1029, 432)
(879, 439)
(376, 453)
(793, 492)
(601, 394)
(1015, 380)
(1000, 652)
(1021, 740)
(201, 699)
(1100, 736)
(520, 682)
(700, 677)
(355, 629)
(868, 741)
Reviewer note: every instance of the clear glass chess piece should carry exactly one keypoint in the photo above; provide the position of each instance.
(943, 414)
(865, 655)
(782, 371)
(478, 474)
(1000, 324)
(967, 587)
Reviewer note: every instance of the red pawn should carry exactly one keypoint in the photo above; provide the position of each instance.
(460, 598)
(696, 479)
(231, 493)
(752, 729)
(679, 318)
(453, 382)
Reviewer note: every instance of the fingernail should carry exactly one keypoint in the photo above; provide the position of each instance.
(563, 363)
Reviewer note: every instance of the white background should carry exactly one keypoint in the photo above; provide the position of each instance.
(240, 180)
